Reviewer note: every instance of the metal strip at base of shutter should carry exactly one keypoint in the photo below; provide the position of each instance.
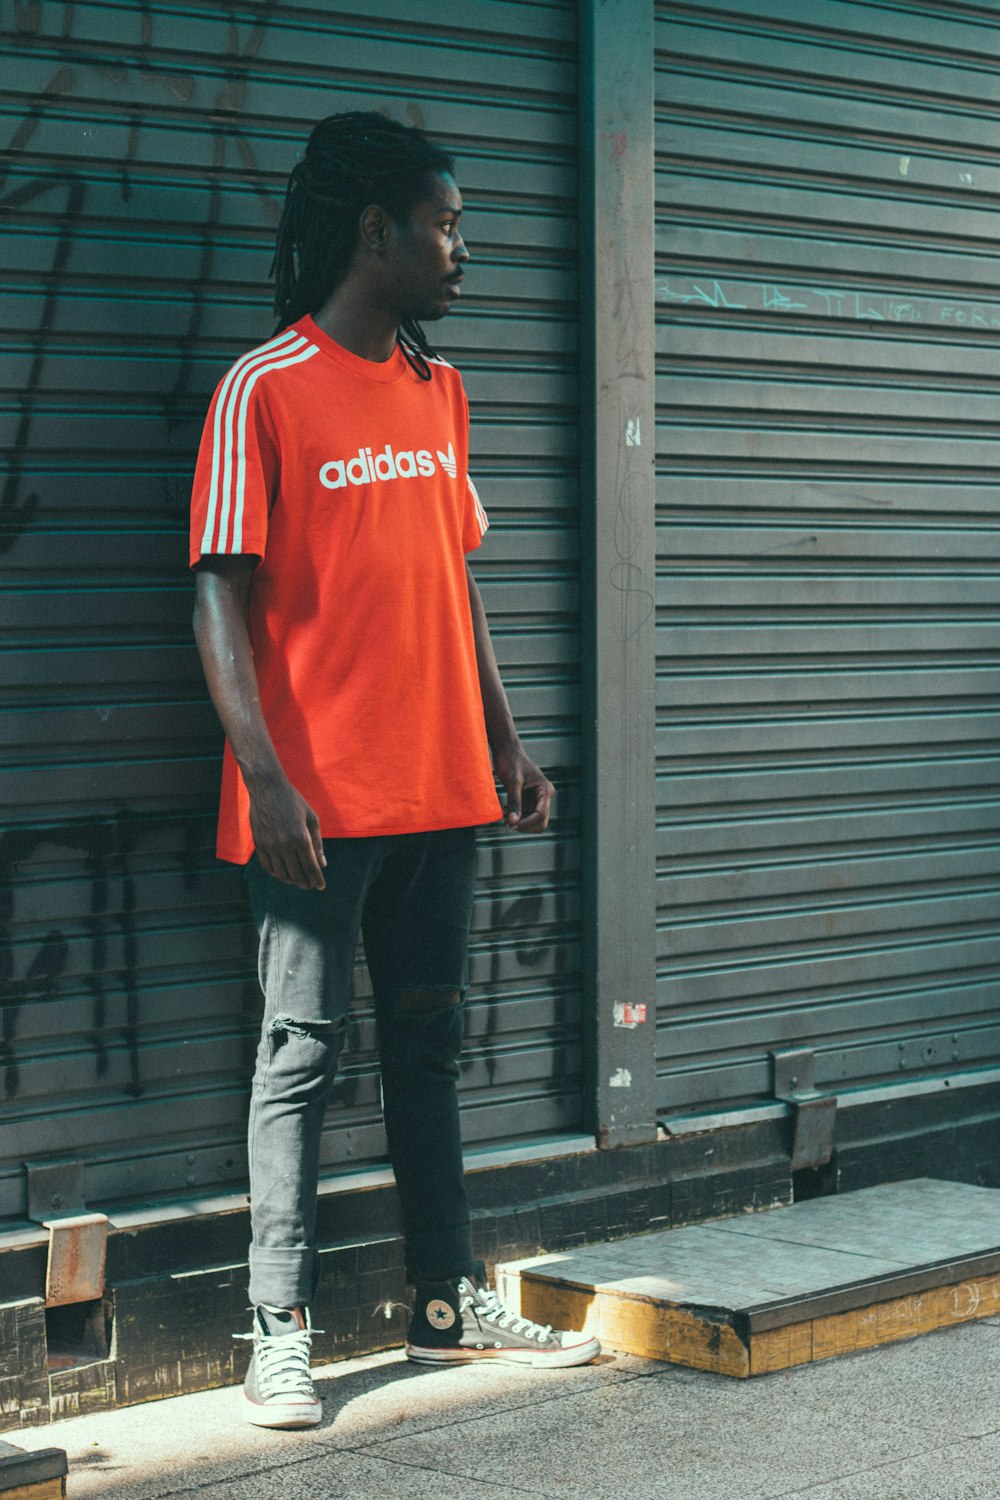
(828, 302)
(148, 154)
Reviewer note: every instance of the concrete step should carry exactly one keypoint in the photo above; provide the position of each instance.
(761, 1292)
(32, 1476)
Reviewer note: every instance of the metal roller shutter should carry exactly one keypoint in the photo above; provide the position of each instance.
(148, 153)
(828, 302)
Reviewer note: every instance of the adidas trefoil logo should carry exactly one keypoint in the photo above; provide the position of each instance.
(366, 467)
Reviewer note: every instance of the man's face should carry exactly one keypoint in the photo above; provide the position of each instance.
(427, 255)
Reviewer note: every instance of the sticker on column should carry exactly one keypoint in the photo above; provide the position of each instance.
(620, 1080)
(632, 436)
(629, 1014)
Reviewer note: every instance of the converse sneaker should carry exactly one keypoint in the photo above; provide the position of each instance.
(278, 1391)
(464, 1319)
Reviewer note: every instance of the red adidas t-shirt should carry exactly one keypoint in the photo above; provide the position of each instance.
(349, 480)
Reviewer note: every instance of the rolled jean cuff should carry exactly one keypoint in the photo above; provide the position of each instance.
(440, 1255)
(283, 1276)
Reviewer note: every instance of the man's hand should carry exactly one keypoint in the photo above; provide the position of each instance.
(529, 791)
(285, 828)
(286, 833)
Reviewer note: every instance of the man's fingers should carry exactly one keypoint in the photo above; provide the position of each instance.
(512, 812)
(307, 869)
(317, 843)
(294, 864)
(529, 794)
(288, 871)
(304, 879)
(289, 842)
(533, 823)
(319, 854)
(538, 818)
(280, 869)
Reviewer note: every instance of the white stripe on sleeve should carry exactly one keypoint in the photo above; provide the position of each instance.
(264, 351)
(481, 516)
(241, 455)
(233, 436)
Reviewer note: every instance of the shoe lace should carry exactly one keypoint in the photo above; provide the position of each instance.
(282, 1360)
(487, 1302)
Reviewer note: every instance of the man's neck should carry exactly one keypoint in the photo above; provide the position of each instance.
(356, 325)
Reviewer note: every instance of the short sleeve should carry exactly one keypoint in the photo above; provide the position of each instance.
(474, 519)
(236, 472)
(475, 523)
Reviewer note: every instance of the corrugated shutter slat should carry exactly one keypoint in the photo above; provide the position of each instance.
(149, 155)
(827, 303)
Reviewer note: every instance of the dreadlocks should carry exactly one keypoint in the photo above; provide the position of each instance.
(351, 160)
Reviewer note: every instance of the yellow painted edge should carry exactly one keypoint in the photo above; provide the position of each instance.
(46, 1489)
(781, 1348)
(637, 1325)
(880, 1323)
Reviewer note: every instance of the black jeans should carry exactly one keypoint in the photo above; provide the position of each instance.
(411, 897)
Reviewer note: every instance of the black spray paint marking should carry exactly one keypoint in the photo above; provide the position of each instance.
(70, 190)
(106, 850)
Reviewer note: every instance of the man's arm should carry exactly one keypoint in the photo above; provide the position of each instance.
(285, 829)
(529, 792)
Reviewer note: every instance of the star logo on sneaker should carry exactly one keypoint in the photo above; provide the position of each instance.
(440, 1314)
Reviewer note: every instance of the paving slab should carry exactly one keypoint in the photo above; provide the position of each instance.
(144, 1452)
(918, 1222)
(755, 1293)
(947, 1384)
(912, 1421)
(355, 1476)
(657, 1439)
(958, 1471)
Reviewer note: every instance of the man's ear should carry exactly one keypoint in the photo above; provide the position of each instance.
(374, 228)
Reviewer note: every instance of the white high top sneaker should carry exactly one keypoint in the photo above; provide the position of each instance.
(278, 1390)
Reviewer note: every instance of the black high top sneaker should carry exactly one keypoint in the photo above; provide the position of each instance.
(464, 1319)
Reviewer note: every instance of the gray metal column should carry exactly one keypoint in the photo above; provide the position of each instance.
(619, 812)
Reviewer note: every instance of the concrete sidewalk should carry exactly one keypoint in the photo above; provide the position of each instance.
(912, 1421)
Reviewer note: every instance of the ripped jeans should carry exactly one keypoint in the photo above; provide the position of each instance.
(411, 897)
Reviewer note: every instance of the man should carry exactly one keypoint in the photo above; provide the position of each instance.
(348, 656)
